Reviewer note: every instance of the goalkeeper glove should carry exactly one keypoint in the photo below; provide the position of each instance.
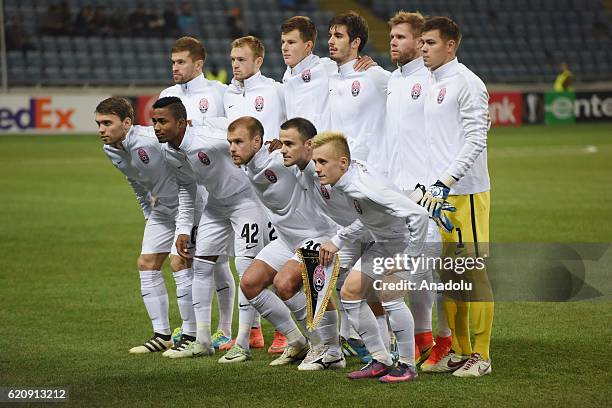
(442, 220)
(434, 198)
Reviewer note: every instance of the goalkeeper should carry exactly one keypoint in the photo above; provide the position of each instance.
(456, 124)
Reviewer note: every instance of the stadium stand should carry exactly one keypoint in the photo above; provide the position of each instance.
(504, 42)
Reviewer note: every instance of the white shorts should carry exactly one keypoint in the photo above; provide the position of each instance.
(239, 220)
(350, 254)
(432, 248)
(277, 253)
(159, 233)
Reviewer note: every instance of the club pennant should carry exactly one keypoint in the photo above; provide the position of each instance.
(319, 284)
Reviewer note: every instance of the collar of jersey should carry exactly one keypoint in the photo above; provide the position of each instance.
(308, 62)
(195, 83)
(412, 66)
(250, 82)
(128, 138)
(447, 69)
(186, 140)
(346, 178)
(347, 67)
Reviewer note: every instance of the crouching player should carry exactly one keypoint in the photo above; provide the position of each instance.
(399, 226)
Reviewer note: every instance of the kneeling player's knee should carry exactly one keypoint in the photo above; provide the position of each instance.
(285, 286)
(249, 286)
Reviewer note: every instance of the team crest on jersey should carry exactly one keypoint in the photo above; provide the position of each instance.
(355, 88)
(318, 278)
(259, 103)
(357, 207)
(270, 176)
(324, 192)
(441, 95)
(142, 154)
(203, 158)
(416, 91)
(203, 105)
(306, 76)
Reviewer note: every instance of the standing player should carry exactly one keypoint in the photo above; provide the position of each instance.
(456, 123)
(399, 226)
(357, 99)
(231, 214)
(135, 151)
(296, 217)
(204, 99)
(250, 93)
(307, 76)
(406, 153)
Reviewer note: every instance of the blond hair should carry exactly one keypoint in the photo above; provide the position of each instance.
(253, 43)
(336, 139)
(414, 20)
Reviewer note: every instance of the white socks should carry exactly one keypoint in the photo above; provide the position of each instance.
(328, 331)
(402, 324)
(203, 290)
(345, 324)
(183, 279)
(362, 318)
(246, 311)
(383, 329)
(421, 303)
(155, 298)
(274, 310)
(443, 327)
(297, 305)
(225, 285)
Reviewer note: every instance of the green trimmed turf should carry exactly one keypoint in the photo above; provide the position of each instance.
(71, 306)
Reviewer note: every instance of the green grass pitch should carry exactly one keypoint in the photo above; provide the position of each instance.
(70, 232)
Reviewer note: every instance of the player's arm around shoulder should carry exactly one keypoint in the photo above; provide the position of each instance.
(380, 77)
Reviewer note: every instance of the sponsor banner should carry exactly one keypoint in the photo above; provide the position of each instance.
(56, 114)
(144, 108)
(593, 107)
(506, 108)
(559, 108)
(533, 108)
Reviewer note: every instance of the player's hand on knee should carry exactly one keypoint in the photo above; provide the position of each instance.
(326, 252)
(434, 198)
(182, 246)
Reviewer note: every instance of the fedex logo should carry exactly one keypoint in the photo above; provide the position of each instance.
(39, 114)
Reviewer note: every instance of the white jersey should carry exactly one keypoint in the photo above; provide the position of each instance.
(456, 124)
(406, 151)
(332, 201)
(202, 98)
(388, 214)
(203, 157)
(259, 97)
(289, 204)
(357, 105)
(306, 90)
(142, 163)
